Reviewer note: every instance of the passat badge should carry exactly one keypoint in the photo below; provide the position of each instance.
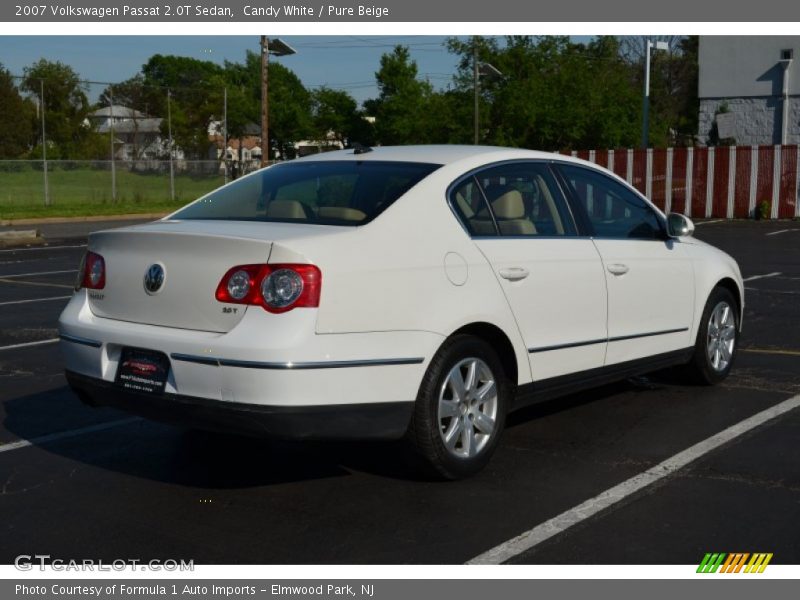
(154, 279)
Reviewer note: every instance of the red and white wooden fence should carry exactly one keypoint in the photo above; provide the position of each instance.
(722, 181)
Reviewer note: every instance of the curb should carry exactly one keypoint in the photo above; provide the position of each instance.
(25, 237)
(85, 219)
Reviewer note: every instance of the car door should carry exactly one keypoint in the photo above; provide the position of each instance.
(552, 278)
(649, 276)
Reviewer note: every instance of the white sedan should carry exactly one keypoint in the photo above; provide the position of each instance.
(418, 292)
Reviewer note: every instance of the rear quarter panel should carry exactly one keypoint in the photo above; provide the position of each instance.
(390, 275)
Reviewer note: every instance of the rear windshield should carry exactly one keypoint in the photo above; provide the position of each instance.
(322, 192)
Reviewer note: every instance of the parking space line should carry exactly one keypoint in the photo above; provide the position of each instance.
(13, 275)
(709, 222)
(28, 344)
(35, 300)
(65, 434)
(754, 277)
(37, 248)
(544, 531)
(781, 231)
(776, 352)
(37, 283)
(785, 292)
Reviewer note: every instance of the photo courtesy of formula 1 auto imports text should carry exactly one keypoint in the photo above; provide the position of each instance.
(399, 299)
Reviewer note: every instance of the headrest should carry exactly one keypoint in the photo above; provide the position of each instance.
(341, 212)
(509, 206)
(286, 209)
(464, 206)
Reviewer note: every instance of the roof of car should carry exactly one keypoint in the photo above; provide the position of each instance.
(435, 154)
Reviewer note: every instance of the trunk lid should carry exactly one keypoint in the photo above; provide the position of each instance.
(194, 256)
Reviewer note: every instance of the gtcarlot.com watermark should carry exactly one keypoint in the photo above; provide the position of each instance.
(43, 562)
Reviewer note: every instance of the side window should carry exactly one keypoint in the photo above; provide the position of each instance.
(614, 210)
(523, 201)
(470, 207)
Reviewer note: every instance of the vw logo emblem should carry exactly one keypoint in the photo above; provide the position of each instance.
(154, 278)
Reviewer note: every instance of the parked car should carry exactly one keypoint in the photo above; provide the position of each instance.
(396, 292)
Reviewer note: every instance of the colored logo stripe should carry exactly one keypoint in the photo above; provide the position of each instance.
(734, 562)
(758, 563)
(710, 563)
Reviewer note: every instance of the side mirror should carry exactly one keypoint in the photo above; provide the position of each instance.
(679, 225)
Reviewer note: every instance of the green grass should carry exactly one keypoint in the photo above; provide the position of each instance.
(86, 191)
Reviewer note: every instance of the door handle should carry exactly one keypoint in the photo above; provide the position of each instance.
(617, 269)
(514, 273)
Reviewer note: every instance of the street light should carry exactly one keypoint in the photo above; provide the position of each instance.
(480, 69)
(646, 99)
(276, 47)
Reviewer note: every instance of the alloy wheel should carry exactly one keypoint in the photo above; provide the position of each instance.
(467, 408)
(721, 336)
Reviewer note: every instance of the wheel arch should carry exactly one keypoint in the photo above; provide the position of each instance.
(730, 284)
(499, 341)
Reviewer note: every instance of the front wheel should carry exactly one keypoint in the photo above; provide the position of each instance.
(461, 407)
(717, 338)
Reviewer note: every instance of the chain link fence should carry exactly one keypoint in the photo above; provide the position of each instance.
(31, 187)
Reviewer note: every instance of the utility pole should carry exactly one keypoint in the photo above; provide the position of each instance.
(276, 47)
(646, 98)
(264, 101)
(44, 146)
(169, 131)
(225, 133)
(476, 92)
(480, 69)
(113, 165)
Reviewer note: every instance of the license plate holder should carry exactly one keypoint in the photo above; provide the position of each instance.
(142, 371)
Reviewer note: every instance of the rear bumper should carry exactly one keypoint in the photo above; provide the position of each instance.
(267, 361)
(386, 420)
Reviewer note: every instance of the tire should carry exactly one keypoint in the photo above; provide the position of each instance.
(717, 339)
(456, 432)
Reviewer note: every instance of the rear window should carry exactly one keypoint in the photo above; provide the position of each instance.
(322, 192)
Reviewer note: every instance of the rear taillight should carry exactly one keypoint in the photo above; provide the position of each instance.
(276, 288)
(92, 272)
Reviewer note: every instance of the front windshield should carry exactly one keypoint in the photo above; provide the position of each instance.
(322, 192)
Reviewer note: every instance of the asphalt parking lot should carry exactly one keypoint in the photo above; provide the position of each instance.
(77, 482)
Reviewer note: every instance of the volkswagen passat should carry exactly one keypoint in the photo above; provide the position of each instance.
(417, 292)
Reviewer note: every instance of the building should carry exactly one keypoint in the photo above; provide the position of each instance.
(245, 150)
(137, 136)
(749, 89)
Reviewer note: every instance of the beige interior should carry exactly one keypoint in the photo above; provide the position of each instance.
(286, 209)
(464, 206)
(551, 205)
(342, 213)
(509, 210)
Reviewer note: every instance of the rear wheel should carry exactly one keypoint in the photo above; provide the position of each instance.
(461, 407)
(717, 338)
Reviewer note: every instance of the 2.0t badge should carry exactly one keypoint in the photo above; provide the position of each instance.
(154, 278)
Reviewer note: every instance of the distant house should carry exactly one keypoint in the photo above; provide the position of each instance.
(306, 147)
(749, 89)
(250, 144)
(137, 136)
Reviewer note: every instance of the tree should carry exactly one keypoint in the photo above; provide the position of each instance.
(336, 114)
(195, 98)
(244, 96)
(17, 116)
(554, 94)
(289, 103)
(674, 105)
(66, 107)
(289, 109)
(401, 109)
